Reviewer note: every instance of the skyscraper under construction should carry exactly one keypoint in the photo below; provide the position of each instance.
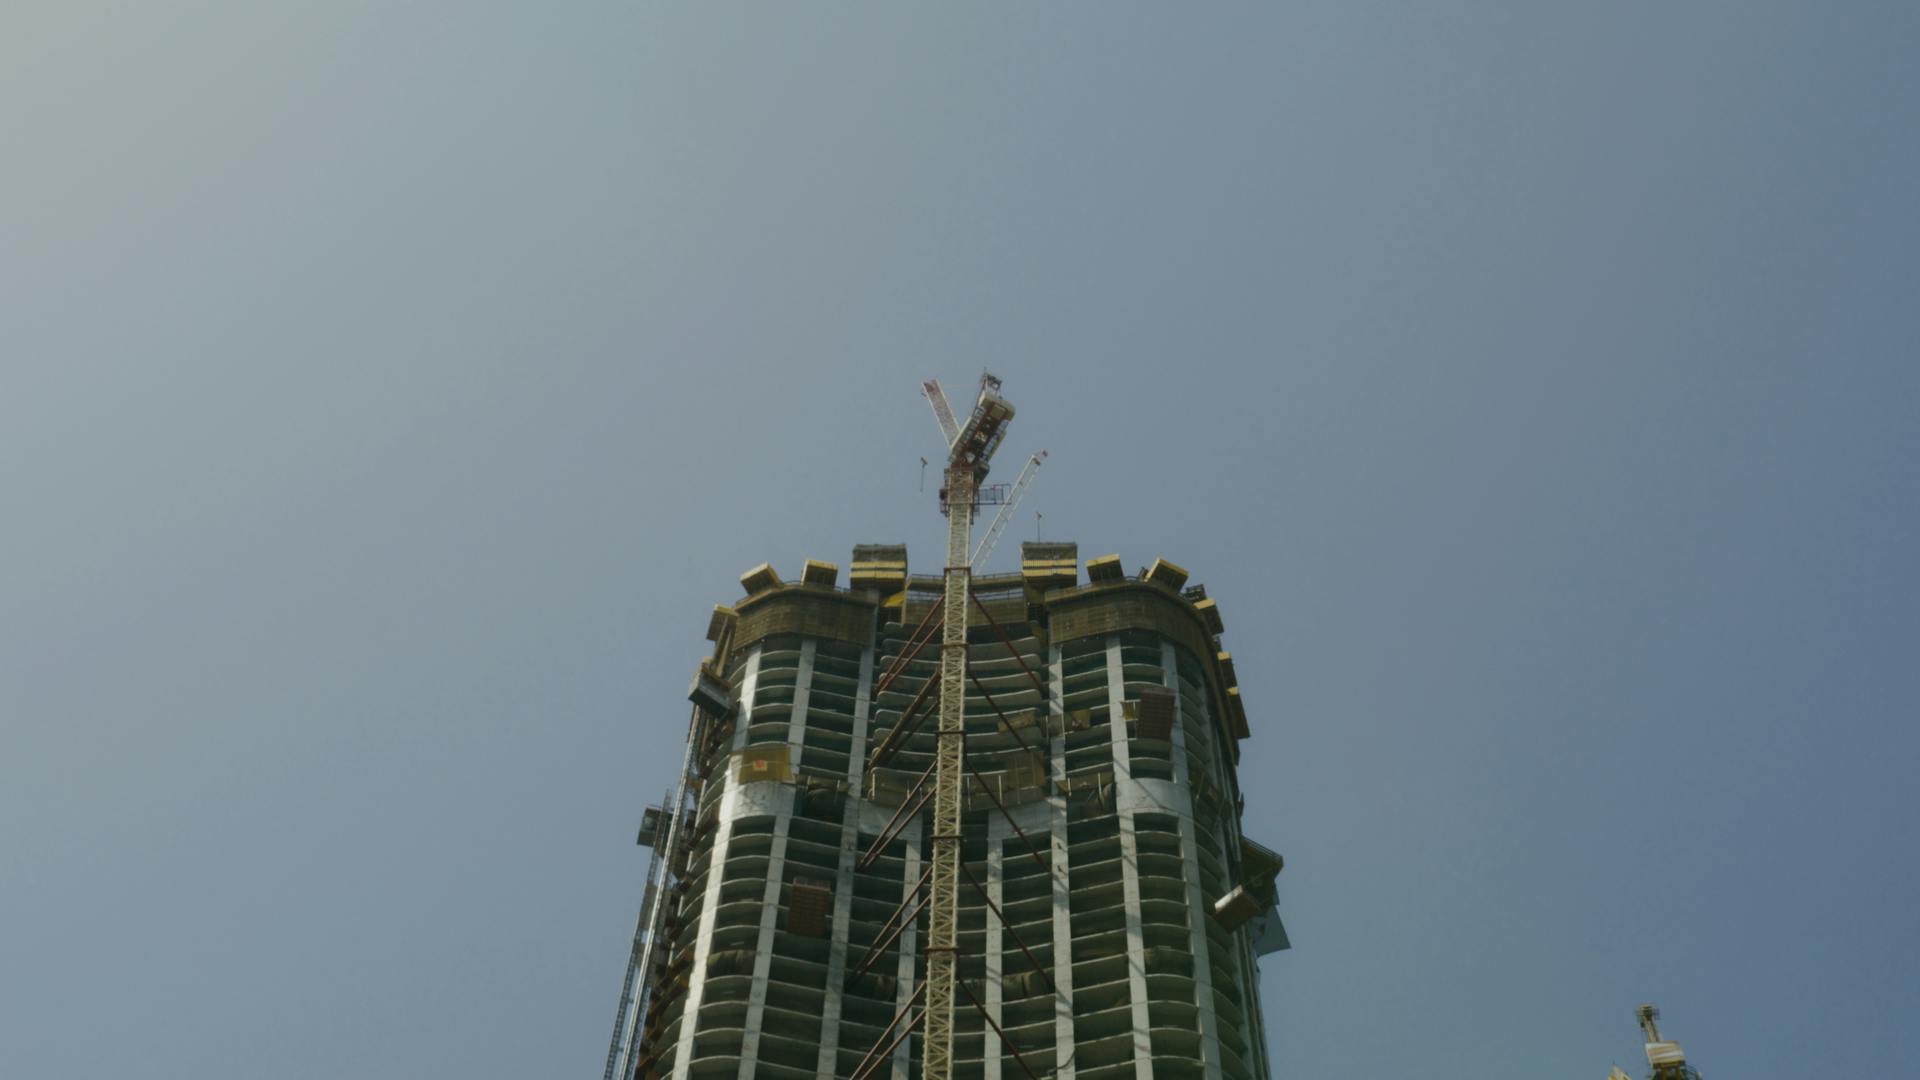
(956, 825)
(780, 937)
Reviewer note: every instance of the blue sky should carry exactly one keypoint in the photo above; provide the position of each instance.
(388, 391)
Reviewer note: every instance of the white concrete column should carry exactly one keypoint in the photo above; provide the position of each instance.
(1125, 796)
(716, 870)
(776, 868)
(996, 958)
(1199, 905)
(829, 1062)
(1063, 1037)
(908, 945)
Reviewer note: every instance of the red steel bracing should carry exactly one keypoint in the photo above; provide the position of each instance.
(897, 822)
(988, 788)
(1008, 642)
(1004, 1041)
(886, 1053)
(1004, 722)
(886, 940)
(910, 652)
(871, 1062)
(896, 924)
(908, 810)
(892, 671)
(899, 733)
(1008, 927)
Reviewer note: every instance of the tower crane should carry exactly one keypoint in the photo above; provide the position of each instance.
(970, 448)
(950, 431)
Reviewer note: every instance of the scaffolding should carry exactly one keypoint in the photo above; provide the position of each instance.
(660, 832)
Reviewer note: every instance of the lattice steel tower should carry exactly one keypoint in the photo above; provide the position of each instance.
(1048, 879)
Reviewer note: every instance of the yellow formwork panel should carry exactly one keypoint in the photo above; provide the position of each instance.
(1209, 613)
(887, 574)
(1172, 575)
(760, 579)
(1043, 574)
(720, 621)
(1237, 713)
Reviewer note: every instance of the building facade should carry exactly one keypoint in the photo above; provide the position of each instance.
(1113, 911)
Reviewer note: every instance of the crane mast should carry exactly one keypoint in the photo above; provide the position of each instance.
(943, 915)
(970, 445)
(970, 451)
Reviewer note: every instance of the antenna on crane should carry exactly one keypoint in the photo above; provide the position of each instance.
(1664, 1056)
(1649, 1022)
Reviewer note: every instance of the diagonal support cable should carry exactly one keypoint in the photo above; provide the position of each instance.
(1004, 721)
(1017, 831)
(1004, 1041)
(901, 732)
(1008, 642)
(911, 651)
(898, 661)
(901, 818)
(1008, 927)
(888, 931)
(875, 1056)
